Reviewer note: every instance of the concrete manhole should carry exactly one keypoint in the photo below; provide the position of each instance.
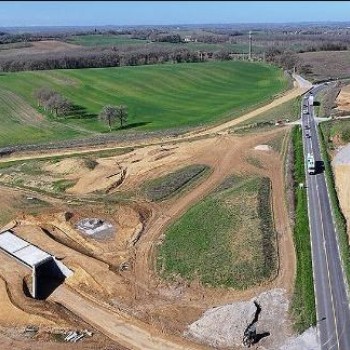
(96, 228)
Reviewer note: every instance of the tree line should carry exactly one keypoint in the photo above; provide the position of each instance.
(105, 57)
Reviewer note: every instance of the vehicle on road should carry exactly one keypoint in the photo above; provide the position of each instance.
(310, 164)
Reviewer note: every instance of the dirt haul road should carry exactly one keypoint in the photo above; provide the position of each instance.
(117, 326)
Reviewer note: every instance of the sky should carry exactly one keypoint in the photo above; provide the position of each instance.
(96, 13)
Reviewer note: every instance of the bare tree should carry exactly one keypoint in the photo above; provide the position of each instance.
(109, 114)
(53, 101)
(122, 114)
(43, 94)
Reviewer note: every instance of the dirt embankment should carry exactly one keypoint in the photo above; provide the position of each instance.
(343, 99)
(341, 166)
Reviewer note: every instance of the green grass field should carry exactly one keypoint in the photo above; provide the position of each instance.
(225, 240)
(105, 40)
(158, 97)
(121, 41)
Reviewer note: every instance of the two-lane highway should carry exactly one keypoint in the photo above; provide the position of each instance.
(332, 304)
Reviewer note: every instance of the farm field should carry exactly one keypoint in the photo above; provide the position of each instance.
(158, 97)
(120, 41)
(326, 65)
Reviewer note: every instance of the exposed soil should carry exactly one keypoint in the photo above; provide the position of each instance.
(341, 166)
(38, 47)
(343, 99)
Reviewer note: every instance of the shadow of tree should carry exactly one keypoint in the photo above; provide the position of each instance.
(80, 112)
(133, 125)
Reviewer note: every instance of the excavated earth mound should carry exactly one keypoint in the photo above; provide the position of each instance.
(341, 166)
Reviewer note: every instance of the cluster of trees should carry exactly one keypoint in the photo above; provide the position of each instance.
(170, 38)
(58, 105)
(53, 102)
(286, 59)
(110, 114)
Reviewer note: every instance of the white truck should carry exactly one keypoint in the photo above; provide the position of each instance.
(310, 164)
(311, 101)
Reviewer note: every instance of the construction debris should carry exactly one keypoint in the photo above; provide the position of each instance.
(75, 336)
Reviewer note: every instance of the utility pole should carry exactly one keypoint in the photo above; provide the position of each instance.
(250, 46)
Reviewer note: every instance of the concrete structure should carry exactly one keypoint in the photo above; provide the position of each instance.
(95, 227)
(47, 272)
(250, 46)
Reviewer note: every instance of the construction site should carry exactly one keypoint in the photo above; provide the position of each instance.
(79, 264)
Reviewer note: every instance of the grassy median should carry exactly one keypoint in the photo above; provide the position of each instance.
(303, 303)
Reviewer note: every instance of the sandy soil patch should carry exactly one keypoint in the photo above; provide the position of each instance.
(263, 148)
(70, 166)
(343, 99)
(11, 315)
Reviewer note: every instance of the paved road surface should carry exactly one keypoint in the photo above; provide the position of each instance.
(332, 304)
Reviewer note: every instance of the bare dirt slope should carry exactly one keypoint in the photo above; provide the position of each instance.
(343, 99)
(341, 166)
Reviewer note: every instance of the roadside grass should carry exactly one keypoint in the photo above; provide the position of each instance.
(303, 302)
(333, 128)
(338, 215)
(172, 184)
(288, 110)
(226, 240)
(158, 97)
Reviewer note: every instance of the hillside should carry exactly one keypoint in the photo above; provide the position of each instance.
(158, 97)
